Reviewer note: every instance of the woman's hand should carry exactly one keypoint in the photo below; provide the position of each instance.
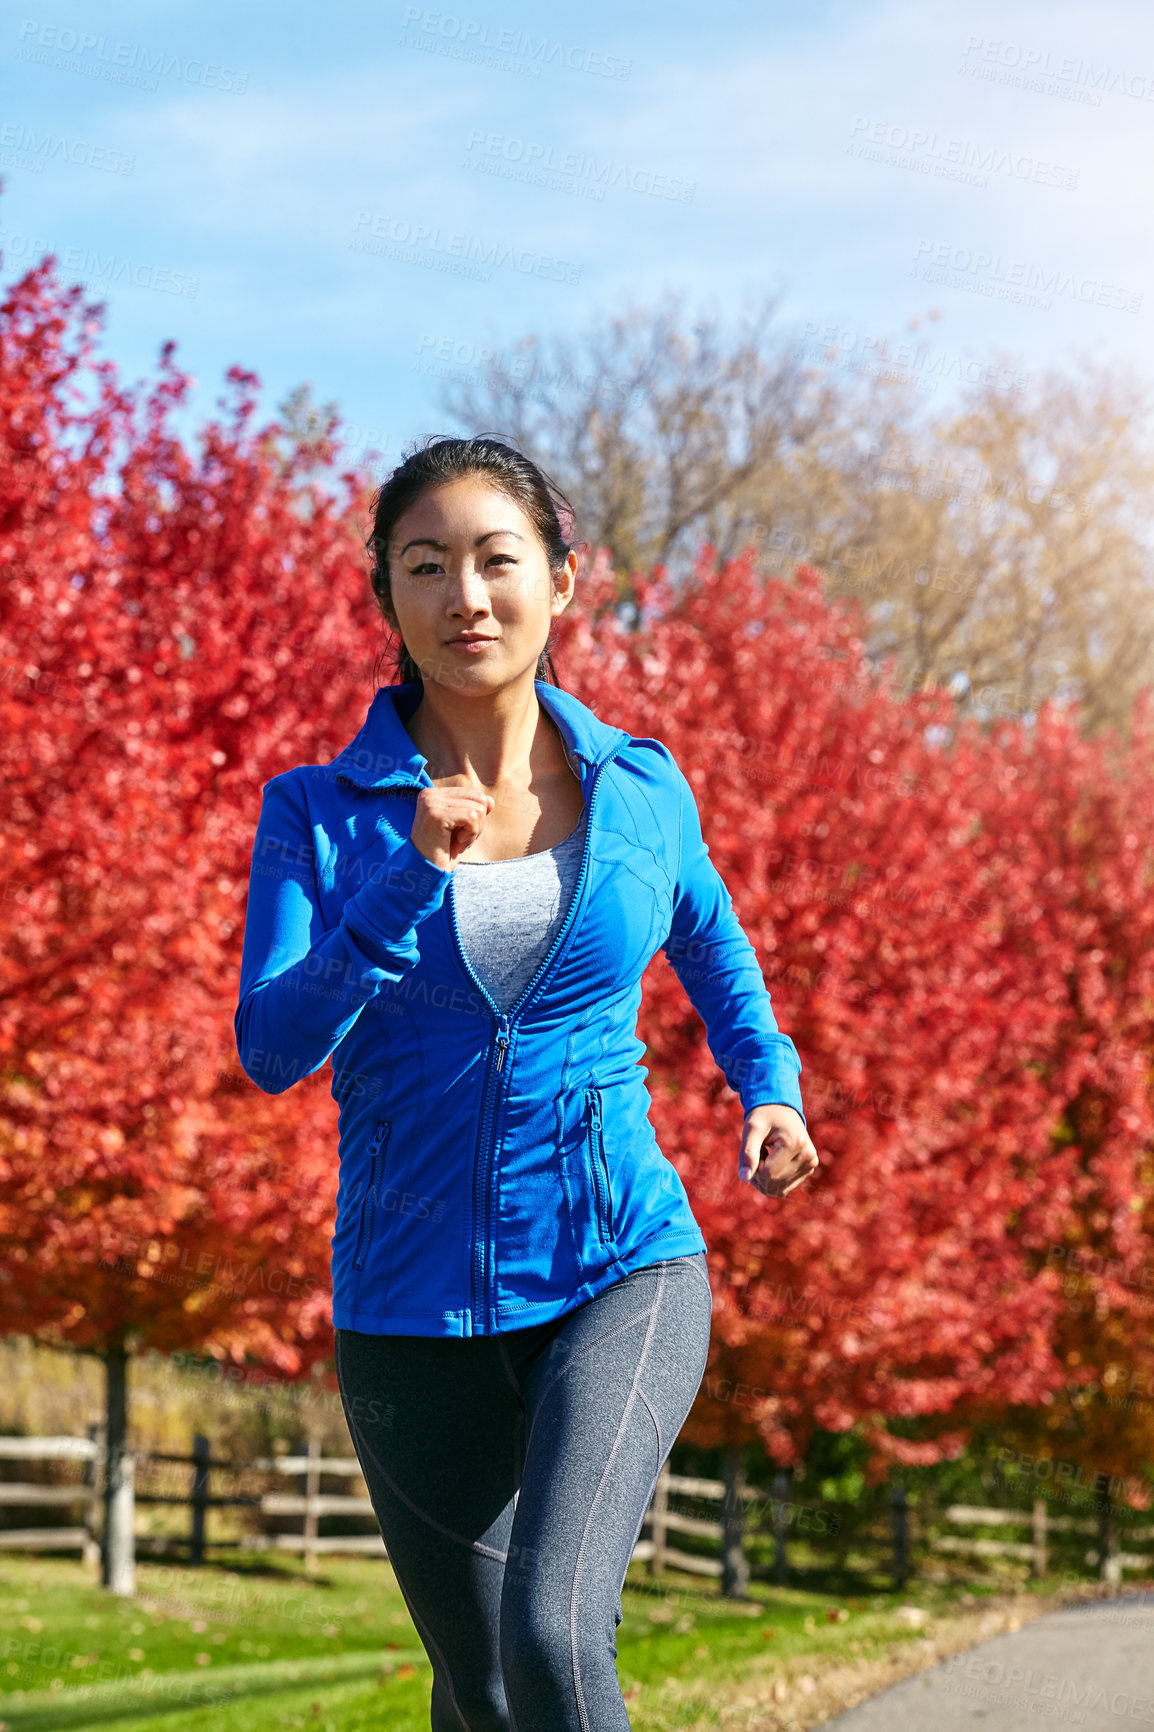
(448, 820)
(776, 1153)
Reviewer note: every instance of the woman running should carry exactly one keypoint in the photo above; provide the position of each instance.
(458, 911)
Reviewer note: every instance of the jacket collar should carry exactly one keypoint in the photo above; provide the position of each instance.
(383, 756)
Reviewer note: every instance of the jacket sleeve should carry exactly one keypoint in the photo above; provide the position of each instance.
(718, 967)
(302, 987)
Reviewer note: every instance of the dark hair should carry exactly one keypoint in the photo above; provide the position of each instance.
(448, 459)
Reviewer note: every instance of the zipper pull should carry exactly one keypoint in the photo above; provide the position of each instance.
(594, 1110)
(378, 1137)
(502, 1041)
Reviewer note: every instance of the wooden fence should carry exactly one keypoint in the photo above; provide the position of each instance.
(311, 1503)
(86, 1496)
(1110, 1560)
(661, 1520)
(745, 1511)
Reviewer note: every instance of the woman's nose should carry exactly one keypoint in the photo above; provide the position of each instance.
(468, 589)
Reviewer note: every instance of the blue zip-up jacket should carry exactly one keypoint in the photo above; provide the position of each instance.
(496, 1169)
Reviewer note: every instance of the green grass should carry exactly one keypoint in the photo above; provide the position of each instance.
(259, 1645)
(255, 1645)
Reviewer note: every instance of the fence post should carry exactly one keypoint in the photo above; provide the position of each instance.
(119, 1524)
(1109, 1569)
(780, 1527)
(92, 1508)
(312, 1491)
(1038, 1561)
(119, 1551)
(734, 1563)
(201, 1456)
(658, 1513)
(901, 1536)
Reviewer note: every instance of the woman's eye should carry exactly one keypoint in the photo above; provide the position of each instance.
(433, 567)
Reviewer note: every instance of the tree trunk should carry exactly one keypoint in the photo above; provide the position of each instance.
(734, 1563)
(118, 1554)
(780, 1527)
(201, 1458)
(901, 1535)
(1109, 1569)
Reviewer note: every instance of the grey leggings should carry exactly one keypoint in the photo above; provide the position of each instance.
(510, 1475)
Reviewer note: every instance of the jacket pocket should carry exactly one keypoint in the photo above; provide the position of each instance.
(369, 1200)
(598, 1166)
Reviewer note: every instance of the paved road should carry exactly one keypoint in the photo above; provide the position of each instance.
(1088, 1666)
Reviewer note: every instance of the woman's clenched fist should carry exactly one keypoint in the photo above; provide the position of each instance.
(776, 1153)
(448, 819)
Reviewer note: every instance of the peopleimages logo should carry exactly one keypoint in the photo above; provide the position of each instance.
(472, 39)
(920, 148)
(42, 147)
(1015, 280)
(1032, 65)
(424, 244)
(522, 370)
(95, 271)
(825, 343)
(568, 170)
(121, 62)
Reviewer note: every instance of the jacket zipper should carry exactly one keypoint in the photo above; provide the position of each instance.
(482, 1170)
(369, 1200)
(504, 1020)
(599, 1166)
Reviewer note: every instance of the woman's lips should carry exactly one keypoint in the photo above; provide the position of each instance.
(472, 644)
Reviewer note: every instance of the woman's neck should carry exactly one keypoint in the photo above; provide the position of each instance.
(491, 739)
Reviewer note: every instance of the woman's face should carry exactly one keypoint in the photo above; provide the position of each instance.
(465, 563)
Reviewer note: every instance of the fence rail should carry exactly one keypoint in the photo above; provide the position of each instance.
(308, 1504)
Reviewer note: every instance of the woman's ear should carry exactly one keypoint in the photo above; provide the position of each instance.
(564, 582)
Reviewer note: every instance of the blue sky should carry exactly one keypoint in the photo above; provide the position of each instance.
(344, 194)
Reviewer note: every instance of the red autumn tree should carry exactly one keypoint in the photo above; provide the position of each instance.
(1077, 820)
(935, 926)
(174, 629)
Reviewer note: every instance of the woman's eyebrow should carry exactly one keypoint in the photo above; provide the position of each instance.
(443, 546)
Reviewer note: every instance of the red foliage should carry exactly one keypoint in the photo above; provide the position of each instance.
(958, 941)
(174, 630)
